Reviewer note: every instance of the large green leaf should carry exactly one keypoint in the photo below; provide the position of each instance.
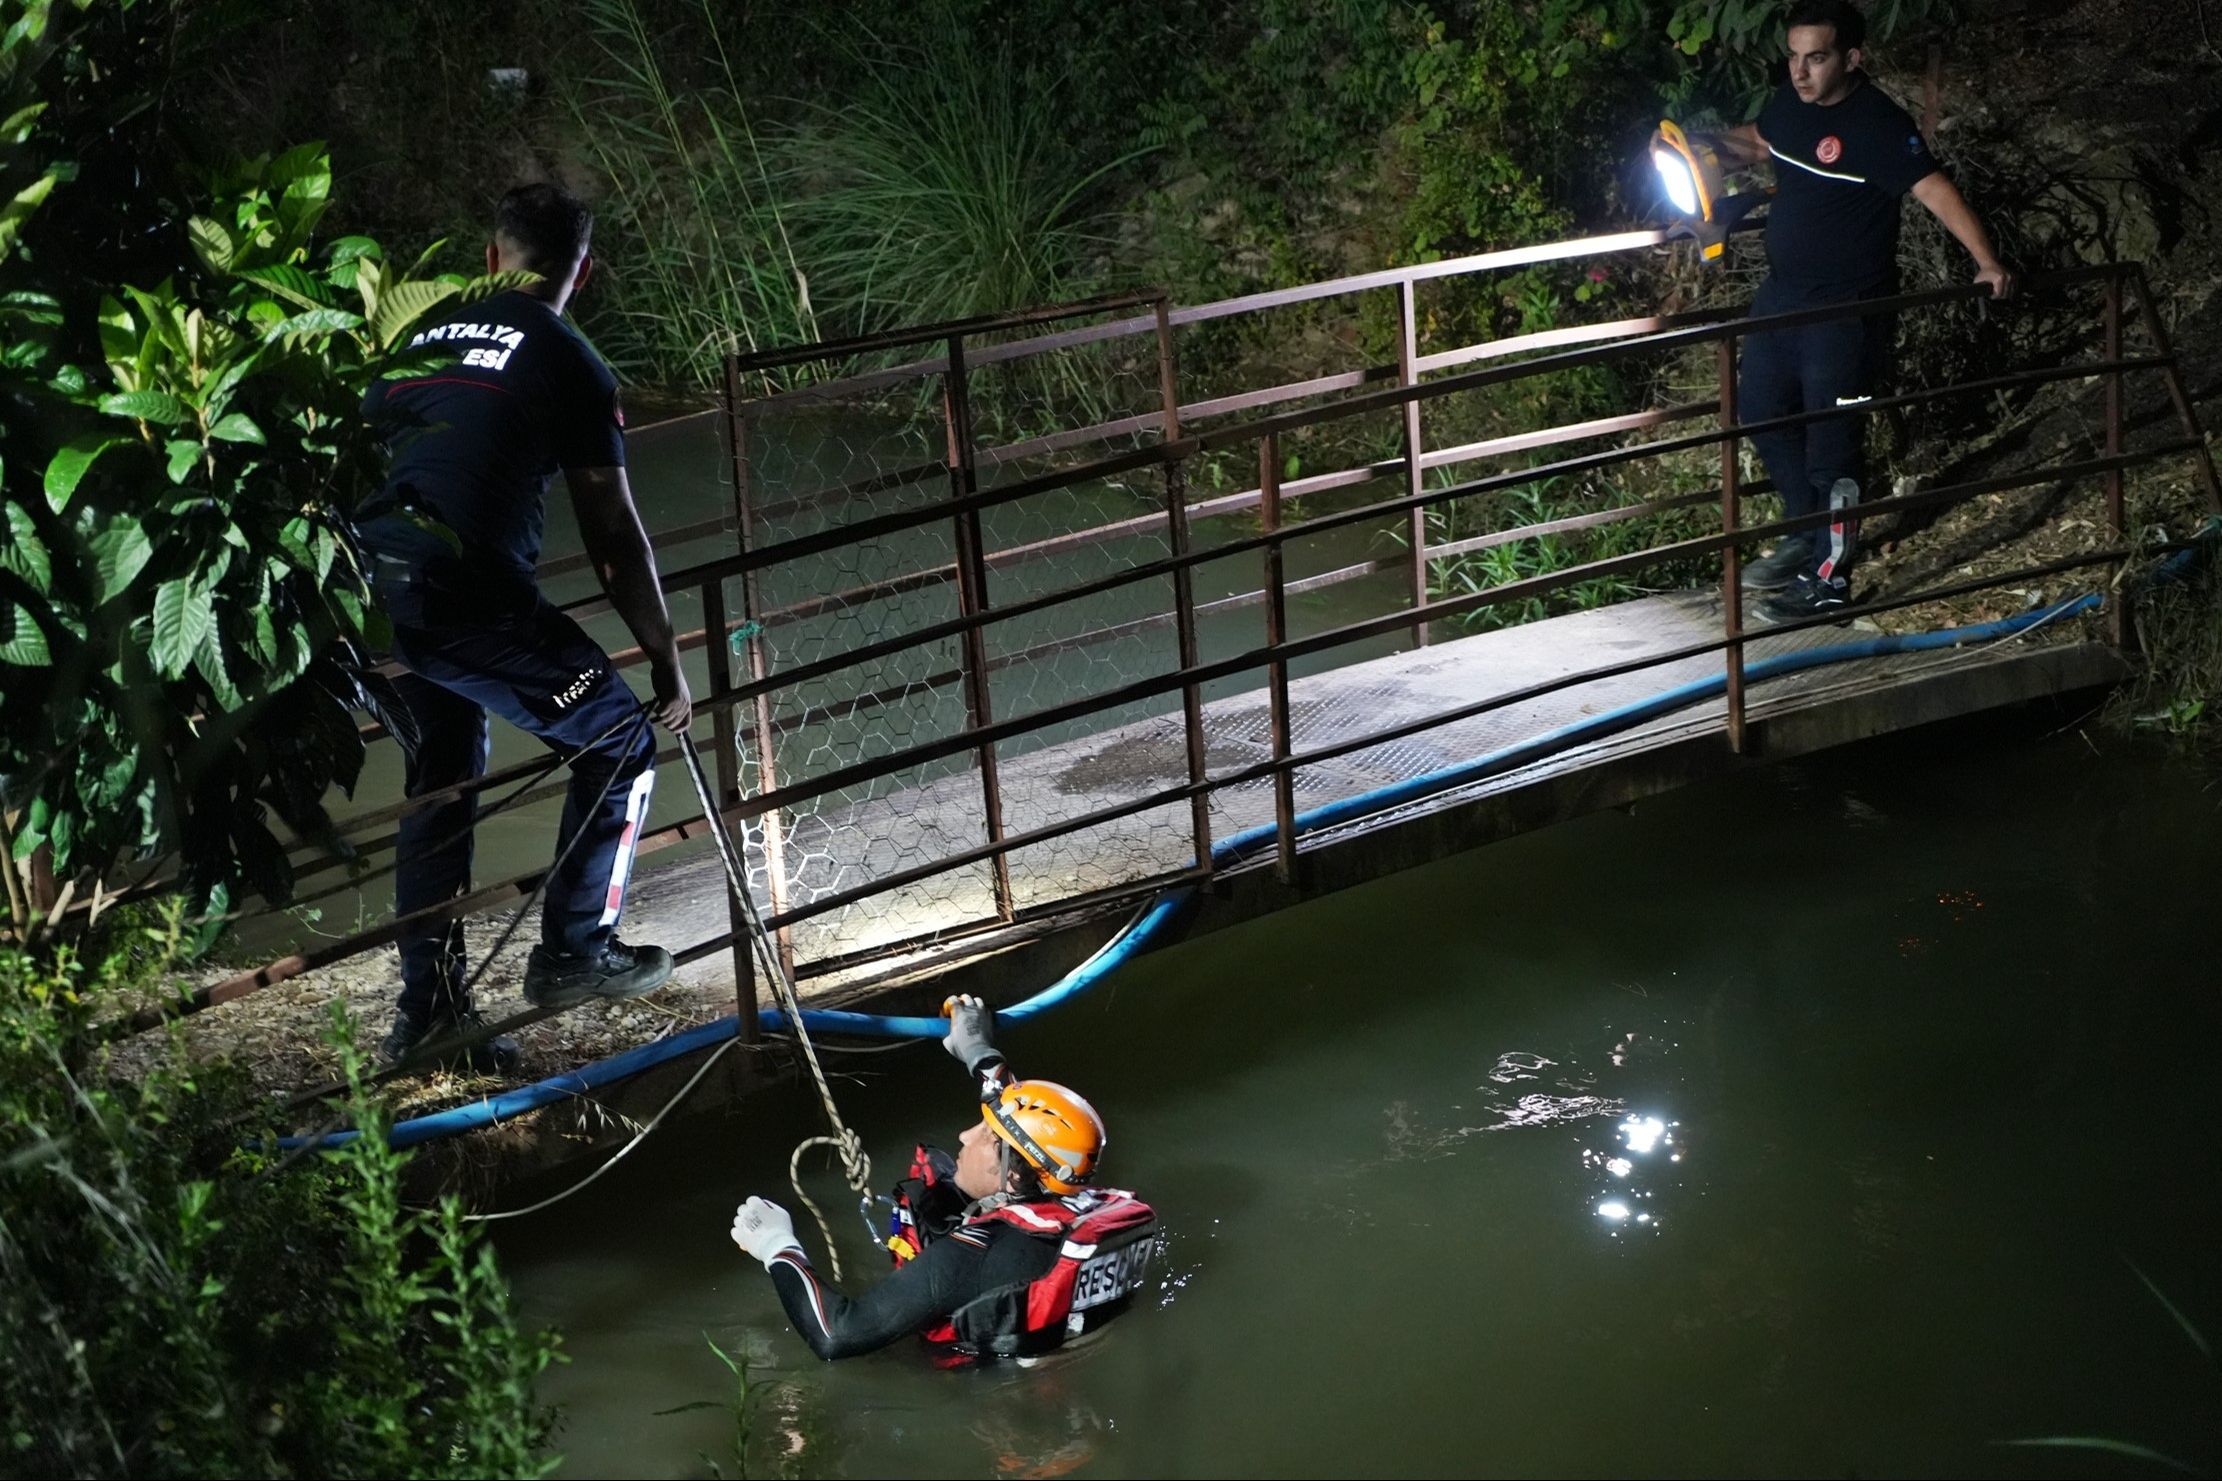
(344, 251)
(370, 281)
(218, 391)
(314, 321)
(120, 342)
(304, 169)
(120, 552)
(208, 662)
(262, 642)
(183, 452)
(18, 210)
(238, 427)
(290, 283)
(147, 406)
(27, 306)
(401, 305)
(67, 468)
(17, 126)
(471, 290)
(183, 615)
(424, 258)
(114, 780)
(293, 539)
(212, 242)
(25, 554)
(22, 642)
(165, 318)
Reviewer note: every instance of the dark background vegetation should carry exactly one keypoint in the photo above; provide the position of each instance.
(181, 617)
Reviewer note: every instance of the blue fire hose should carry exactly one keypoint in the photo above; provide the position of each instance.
(1160, 915)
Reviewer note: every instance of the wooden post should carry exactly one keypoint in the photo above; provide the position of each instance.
(972, 600)
(1407, 374)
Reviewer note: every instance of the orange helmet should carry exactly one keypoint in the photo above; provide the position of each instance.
(1058, 1134)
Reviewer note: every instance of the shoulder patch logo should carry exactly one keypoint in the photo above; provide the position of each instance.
(1829, 150)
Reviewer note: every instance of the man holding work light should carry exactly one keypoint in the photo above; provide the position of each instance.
(1845, 155)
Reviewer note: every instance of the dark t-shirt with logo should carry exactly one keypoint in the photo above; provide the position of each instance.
(1840, 171)
(475, 440)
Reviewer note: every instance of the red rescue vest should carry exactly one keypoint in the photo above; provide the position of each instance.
(1105, 1238)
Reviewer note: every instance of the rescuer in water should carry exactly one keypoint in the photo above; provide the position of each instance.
(1001, 1251)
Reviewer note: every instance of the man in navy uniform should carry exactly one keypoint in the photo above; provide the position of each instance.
(1845, 156)
(454, 537)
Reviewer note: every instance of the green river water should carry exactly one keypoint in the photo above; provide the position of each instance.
(1814, 1123)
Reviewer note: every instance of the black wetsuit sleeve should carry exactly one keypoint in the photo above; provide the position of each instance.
(916, 1296)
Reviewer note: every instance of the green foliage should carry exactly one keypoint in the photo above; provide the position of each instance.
(1734, 48)
(172, 1305)
(1522, 558)
(694, 227)
(182, 615)
(945, 186)
(765, 1415)
(2177, 692)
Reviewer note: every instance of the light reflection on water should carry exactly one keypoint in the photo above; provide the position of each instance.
(1640, 1137)
(1403, 1222)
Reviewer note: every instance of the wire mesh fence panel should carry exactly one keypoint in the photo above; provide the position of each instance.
(1056, 396)
(910, 820)
(1534, 503)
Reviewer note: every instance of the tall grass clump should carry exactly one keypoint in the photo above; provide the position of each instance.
(175, 1303)
(696, 196)
(945, 187)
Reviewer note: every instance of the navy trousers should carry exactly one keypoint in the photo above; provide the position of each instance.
(480, 647)
(1812, 368)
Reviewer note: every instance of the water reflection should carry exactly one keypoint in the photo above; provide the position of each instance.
(1629, 1193)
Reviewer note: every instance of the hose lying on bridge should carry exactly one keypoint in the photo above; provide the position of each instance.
(1232, 850)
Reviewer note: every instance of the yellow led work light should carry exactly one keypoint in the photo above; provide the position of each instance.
(1690, 174)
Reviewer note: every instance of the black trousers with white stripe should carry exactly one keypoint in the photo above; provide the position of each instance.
(1812, 367)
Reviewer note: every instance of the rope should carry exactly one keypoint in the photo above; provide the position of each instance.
(638, 1137)
(854, 1163)
(427, 1055)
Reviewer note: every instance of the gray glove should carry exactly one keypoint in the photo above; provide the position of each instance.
(971, 1022)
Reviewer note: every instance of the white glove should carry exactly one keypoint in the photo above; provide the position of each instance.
(764, 1229)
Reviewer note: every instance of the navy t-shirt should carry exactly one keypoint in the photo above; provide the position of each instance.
(1840, 172)
(475, 440)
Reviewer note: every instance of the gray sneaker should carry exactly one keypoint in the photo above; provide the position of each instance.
(553, 980)
(1779, 566)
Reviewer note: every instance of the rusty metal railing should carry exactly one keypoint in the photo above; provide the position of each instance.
(1168, 443)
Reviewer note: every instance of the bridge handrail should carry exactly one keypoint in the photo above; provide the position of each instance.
(1279, 650)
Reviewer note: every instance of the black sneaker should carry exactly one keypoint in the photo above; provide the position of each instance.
(1807, 596)
(1779, 566)
(553, 980)
(495, 1056)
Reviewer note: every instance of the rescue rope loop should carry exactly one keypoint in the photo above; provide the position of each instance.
(847, 1145)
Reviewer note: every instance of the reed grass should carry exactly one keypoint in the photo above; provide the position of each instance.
(697, 242)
